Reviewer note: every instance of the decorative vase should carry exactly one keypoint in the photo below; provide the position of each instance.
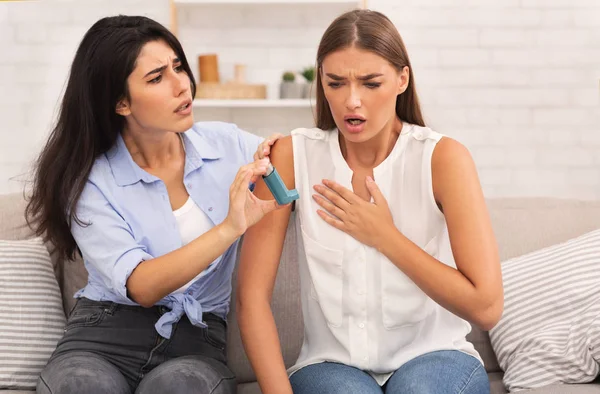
(291, 90)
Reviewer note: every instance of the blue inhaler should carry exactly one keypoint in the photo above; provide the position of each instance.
(277, 187)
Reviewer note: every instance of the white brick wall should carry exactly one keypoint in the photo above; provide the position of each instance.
(517, 81)
(37, 43)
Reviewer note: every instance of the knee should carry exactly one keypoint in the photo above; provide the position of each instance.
(70, 375)
(478, 383)
(451, 371)
(190, 374)
(332, 378)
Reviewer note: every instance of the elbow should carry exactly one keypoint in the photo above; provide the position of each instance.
(144, 300)
(489, 316)
(139, 294)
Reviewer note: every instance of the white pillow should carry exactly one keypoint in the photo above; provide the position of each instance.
(31, 312)
(550, 330)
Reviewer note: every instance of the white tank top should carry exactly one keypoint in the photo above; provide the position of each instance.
(359, 308)
(192, 223)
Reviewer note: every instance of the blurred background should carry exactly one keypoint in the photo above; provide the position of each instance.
(516, 81)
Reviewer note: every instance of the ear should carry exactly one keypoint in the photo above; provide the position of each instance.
(123, 108)
(403, 79)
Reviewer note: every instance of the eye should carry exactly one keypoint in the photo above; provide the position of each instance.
(178, 68)
(156, 80)
(372, 85)
(334, 85)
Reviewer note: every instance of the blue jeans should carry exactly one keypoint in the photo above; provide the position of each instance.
(441, 372)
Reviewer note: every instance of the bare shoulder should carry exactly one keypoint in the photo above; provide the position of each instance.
(452, 169)
(449, 151)
(282, 150)
(282, 157)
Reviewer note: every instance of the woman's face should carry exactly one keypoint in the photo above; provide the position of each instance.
(160, 97)
(361, 88)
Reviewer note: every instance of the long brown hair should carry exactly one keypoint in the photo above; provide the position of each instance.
(374, 32)
(88, 125)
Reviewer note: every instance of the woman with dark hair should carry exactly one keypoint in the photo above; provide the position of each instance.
(397, 256)
(129, 181)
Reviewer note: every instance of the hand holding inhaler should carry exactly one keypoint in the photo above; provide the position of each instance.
(271, 177)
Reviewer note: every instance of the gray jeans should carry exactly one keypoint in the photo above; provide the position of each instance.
(114, 348)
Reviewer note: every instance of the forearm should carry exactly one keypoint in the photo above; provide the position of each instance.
(154, 279)
(261, 342)
(446, 285)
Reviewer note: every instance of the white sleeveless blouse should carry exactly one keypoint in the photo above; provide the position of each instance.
(359, 308)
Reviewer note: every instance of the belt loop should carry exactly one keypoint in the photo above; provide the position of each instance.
(112, 309)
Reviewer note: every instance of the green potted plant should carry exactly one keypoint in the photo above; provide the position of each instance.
(310, 86)
(289, 89)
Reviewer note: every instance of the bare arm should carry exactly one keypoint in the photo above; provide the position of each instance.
(259, 261)
(473, 290)
(153, 279)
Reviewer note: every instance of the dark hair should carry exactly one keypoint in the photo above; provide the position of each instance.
(87, 124)
(374, 32)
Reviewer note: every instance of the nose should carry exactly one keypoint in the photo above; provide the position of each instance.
(353, 100)
(181, 83)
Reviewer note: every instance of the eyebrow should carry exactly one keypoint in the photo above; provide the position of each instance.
(161, 68)
(361, 78)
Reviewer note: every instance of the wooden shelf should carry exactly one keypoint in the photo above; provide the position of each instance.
(277, 103)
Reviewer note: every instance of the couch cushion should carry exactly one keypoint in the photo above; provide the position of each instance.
(31, 313)
(481, 340)
(71, 275)
(247, 388)
(523, 225)
(12, 217)
(496, 385)
(548, 332)
(567, 389)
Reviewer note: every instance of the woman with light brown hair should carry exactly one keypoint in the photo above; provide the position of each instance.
(397, 257)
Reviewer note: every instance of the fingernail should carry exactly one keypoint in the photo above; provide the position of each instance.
(369, 179)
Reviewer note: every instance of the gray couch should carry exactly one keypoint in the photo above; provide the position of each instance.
(521, 226)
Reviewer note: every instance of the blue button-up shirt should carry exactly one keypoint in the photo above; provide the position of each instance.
(129, 219)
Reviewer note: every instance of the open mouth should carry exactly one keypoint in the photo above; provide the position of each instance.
(183, 107)
(355, 121)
